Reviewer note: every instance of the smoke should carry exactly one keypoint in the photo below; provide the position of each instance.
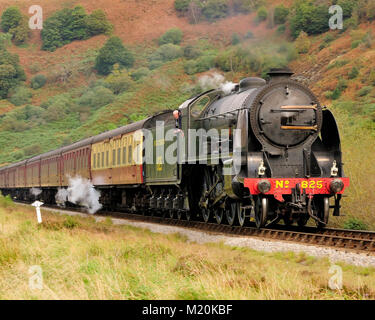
(61, 196)
(80, 192)
(216, 81)
(35, 191)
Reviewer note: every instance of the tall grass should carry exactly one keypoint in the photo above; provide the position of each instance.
(358, 141)
(82, 259)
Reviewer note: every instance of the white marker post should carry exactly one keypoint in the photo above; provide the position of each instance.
(37, 205)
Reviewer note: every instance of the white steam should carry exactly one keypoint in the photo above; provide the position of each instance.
(216, 81)
(80, 192)
(35, 191)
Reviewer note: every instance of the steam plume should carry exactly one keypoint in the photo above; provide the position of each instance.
(35, 191)
(80, 192)
(216, 81)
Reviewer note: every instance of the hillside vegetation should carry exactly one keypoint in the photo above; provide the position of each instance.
(82, 259)
(96, 67)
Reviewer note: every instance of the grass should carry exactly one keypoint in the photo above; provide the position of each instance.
(358, 139)
(82, 259)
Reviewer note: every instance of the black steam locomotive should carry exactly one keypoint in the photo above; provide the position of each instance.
(285, 161)
(265, 151)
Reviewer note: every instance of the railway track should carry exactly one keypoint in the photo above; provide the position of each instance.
(357, 240)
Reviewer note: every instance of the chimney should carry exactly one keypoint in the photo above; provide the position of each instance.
(280, 74)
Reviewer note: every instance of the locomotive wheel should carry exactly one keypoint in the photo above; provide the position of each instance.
(261, 212)
(322, 207)
(188, 215)
(302, 221)
(171, 213)
(231, 213)
(179, 214)
(206, 213)
(241, 216)
(219, 214)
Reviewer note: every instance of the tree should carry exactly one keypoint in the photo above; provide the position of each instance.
(67, 25)
(119, 81)
(173, 36)
(262, 14)
(281, 14)
(21, 33)
(309, 17)
(14, 23)
(78, 25)
(11, 73)
(97, 23)
(111, 53)
(10, 18)
(21, 96)
(181, 5)
(303, 43)
(38, 81)
(215, 9)
(194, 12)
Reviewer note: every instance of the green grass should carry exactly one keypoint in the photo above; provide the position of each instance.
(82, 259)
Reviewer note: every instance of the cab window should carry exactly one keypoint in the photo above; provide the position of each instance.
(198, 107)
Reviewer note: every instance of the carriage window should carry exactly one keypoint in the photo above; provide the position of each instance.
(94, 161)
(130, 154)
(107, 158)
(114, 157)
(199, 106)
(124, 155)
(119, 156)
(98, 164)
(102, 159)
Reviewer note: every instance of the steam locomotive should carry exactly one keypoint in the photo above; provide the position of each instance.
(265, 152)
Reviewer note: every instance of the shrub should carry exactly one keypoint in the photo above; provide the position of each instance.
(21, 96)
(205, 63)
(68, 25)
(280, 14)
(96, 98)
(236, 39)
(249, 35)
(111, 53)
(57, 107)
(140, 73)
(336, 94)
(215, 9)
(155, 63)
(281, 29)
(371, 77)
(10, 18)
(262, 14)
(355, 224)
(182, 6)
(309, 17)
(14, 23)
(356, 43)
(173, 36)
(11, 73)
(192, 52)
(328, 94)
(190, 67)
(364, 91)
(245, 6)
(347, 7)
(167, 52)
(32, 150)
(38, 81)
(97, 23)
(353, 73)
(119, 81)
(303, 43)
